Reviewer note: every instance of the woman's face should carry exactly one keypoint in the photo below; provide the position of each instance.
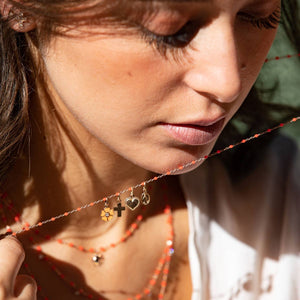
(163, 106)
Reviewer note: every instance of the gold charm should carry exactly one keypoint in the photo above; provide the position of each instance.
(145, 196)
(107, 213)
(119, 207)
(132, 201)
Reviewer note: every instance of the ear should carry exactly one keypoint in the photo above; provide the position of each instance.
(18, 20)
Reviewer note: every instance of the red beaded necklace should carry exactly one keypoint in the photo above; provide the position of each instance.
(161, 270)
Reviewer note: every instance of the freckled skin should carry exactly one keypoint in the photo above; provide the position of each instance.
(120, 89)
(113, 93)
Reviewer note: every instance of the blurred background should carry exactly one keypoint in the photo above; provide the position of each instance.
(285, 73)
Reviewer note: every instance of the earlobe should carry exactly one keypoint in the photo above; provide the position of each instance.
(17, 20)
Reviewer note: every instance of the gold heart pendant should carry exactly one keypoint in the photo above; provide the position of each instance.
(132, 202)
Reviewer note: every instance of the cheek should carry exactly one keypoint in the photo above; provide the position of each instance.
(105, 81)
(253, 50)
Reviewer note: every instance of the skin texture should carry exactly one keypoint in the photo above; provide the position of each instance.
(114, 92)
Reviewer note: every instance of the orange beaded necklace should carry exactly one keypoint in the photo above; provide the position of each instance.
(161, 271)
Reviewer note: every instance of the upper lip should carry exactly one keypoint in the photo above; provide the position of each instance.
(200, 122)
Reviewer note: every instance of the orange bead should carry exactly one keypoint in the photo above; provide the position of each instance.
(160, 296)
(134, 226)
(152, 281)
(138, 296)
(146, 291)
(163, 283)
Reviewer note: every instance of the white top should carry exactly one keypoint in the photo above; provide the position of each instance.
(244, 241)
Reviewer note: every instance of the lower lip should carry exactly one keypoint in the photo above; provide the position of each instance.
(194, 135)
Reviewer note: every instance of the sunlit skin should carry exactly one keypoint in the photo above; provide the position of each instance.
(117, 93)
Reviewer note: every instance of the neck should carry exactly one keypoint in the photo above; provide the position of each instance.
(69, 170)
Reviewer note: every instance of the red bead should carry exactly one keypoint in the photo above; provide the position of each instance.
(152, 281)
(163, 283)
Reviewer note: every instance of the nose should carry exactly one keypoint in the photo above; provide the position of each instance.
(214, 67)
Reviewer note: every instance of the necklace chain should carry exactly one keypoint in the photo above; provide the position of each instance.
(174, 171)
(161, 271)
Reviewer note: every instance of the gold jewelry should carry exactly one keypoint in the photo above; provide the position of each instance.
(145, 196)
(107, 213)
(132, 201)
(119, 207)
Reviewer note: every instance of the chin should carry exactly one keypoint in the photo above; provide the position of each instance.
(178, 164)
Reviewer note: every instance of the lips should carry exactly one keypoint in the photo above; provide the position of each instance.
(196, 133)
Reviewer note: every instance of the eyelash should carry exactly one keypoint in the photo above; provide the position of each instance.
(181, 39)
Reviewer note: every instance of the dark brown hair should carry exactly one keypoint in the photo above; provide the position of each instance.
(19, 70)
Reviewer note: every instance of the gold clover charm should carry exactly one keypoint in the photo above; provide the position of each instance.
(107, 214)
